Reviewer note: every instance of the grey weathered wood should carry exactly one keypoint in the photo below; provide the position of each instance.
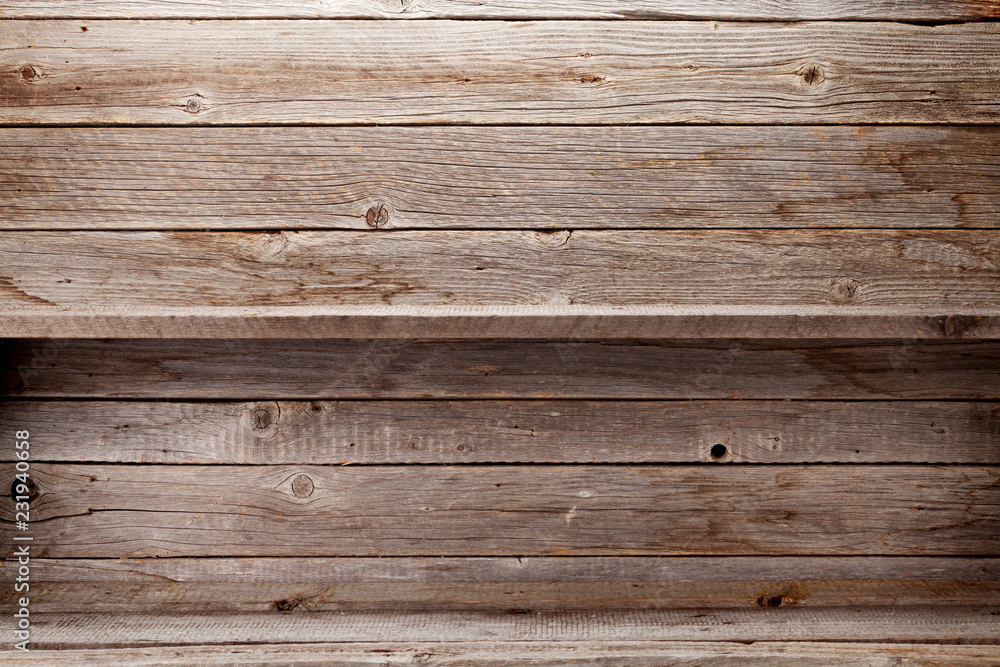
(534, 654)
(526, 177)
(920, 277)
(199, 585)
(247, 369)
(143, 511)
(898, 625)
(378, 432)
(245, 72)
(516, 570)
(553, 322)
(915, 10)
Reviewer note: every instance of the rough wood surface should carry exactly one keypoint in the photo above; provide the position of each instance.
(199, 585)
(519, 177)
(351, 72)
(379, 432)
(515, 570)
(247, 369)
(552, 322)
(914, 10)
(534, 654)
(893, 624)
(919, 270)
(143, 511)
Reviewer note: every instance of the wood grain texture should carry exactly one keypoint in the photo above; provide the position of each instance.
(919, 270)
(552, 322)
(533, 654)
(922, 10)
(521, 177)
(199, 585)
(380, 432)
(890, 624)
(367, 72)
(250, 370)
(514, 570)
(118, 511)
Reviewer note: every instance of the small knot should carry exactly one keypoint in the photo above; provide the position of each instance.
(844, 290)
(592, 79)
(261, 419)
(555, 239)
(302, 486)
(956, 325)
(29, 73)
(812, 75)
(377, 216)
(193, 106)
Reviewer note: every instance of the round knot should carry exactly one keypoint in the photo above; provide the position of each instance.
(302, 486)
(377, 216)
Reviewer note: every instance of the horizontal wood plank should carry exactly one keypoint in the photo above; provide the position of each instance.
(252, 369)
(536, 654)
(380, 432)
(492, 284)
(891, 624)
(118, 511)
(526, 177)
(198, 585)
(578, 72)
(552, 322)
(915, 10)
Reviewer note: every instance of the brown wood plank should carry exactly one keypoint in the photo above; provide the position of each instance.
(447, 284)
(895, 624)
(526, 177)
(787, 10)
(248, 369)
(332, 72)
(379, 432)
(506, 654)
(143, 511)
(552, 322)
(199, 585)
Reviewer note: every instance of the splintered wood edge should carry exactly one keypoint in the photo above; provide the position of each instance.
(510, 322)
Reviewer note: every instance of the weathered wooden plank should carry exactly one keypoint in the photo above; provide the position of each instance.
(200, 585)
(895, 625)
(788, 10)
(916, 274)
(249, 369)
(535, 654)
(527, 177)
(379, 432)
(496, 72)
(143, 511)
(552, 322)
(514, 570)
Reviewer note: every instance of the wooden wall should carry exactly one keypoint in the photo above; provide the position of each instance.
(590, 332)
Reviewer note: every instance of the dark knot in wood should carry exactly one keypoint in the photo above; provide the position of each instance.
(377, 216)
